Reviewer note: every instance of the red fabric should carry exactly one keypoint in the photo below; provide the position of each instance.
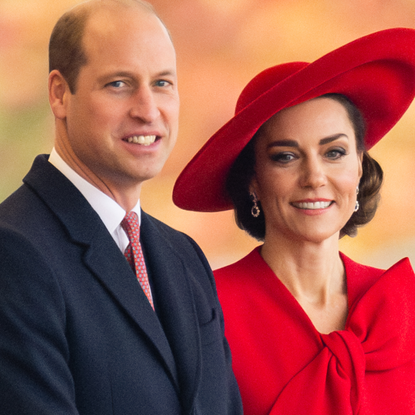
(134, 254)
(285, 366)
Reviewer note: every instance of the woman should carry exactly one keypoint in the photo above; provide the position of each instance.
(311, 331)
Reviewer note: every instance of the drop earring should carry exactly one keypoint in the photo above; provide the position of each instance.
(356, 206)
(255, 211)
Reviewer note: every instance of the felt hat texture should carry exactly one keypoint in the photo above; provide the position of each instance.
(376, 72)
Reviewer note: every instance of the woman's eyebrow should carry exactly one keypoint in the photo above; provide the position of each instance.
(283, 143)
(293, 143)
(332, 138)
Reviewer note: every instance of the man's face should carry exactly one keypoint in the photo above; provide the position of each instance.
(122, 120)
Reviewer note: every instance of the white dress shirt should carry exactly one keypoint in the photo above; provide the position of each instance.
(110, 212)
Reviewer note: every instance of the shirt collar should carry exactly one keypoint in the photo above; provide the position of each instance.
(110, 212)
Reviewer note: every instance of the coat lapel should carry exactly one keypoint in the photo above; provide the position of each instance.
(108, 264)
(172, 288)
(101, 254)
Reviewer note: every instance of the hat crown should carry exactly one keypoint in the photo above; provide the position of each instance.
(266, 80)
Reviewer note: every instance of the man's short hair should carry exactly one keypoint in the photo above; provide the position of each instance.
(66, 52)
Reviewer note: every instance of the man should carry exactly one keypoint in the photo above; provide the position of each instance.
(79, 334)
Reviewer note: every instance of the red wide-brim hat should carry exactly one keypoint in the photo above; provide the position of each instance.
(376, 72)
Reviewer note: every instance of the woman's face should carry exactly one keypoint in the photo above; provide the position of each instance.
(307, 169)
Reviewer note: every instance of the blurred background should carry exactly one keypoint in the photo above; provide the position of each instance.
(221, 45)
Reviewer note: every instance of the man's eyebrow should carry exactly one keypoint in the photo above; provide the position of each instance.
(168, 72)
(118, 73)
(128, 74)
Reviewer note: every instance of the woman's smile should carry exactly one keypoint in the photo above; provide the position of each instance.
(308, 205)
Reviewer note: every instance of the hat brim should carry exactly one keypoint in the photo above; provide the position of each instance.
(376, 72)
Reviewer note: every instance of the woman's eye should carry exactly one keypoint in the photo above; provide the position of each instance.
(336, 153)
(283, 157)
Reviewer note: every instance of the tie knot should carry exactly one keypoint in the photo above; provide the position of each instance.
(131, 226)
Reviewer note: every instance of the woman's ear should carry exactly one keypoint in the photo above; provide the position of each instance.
(360, 166)
(253, 187)
(58, 92)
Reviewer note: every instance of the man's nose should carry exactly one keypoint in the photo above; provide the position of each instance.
(144, 105)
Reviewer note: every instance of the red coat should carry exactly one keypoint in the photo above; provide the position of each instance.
(285, 366)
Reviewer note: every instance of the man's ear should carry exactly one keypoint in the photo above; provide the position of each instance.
(58, 94)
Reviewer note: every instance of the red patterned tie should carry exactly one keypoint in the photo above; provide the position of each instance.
(134, 253)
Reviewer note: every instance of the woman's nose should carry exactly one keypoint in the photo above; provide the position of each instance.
(313, 174)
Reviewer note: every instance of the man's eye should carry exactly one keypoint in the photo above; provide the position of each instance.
(162, 83)
(116, 84)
